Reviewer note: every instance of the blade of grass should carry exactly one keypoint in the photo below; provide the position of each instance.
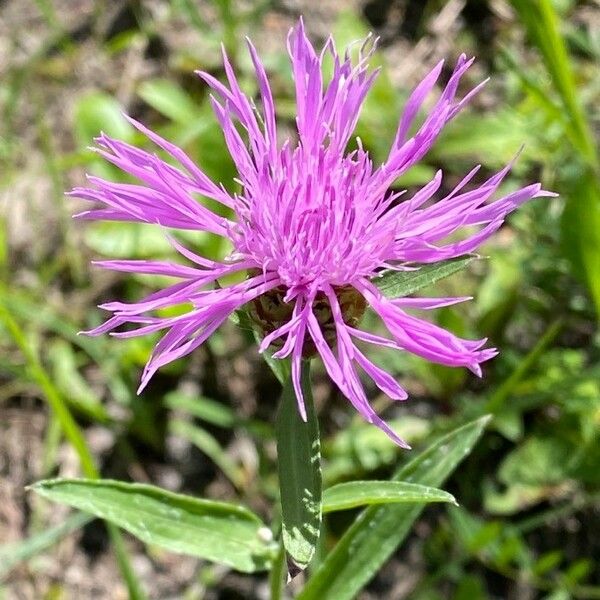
(47, 146)
(501, 395)
(580, 233)
(3, 248)
(190, 10)
(208, 444)
(22, 306)
(12, 554)
(73, 434)
(542, 23)
(52, 441)
(552, 108)
(52, 395)
(560, 69)
(580, 230)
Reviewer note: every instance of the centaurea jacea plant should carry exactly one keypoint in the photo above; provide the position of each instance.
(313, 226)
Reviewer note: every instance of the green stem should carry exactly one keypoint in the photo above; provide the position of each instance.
(277, 575)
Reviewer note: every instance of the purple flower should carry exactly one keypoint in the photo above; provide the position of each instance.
(312, 225)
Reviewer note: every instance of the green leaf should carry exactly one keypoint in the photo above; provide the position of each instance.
(98, 112)
(547, 562)
(12, 554)
(379, 530)
(495, 135)
(138, 240)
(216, 531)
(518, 497)
(170, 100)
(361, 448)
(397, 284)
(470, 587)
(538, 461)
(279, 367)
(360, 493)
(299, 463)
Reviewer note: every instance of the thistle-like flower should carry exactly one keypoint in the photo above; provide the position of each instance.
(312, 225)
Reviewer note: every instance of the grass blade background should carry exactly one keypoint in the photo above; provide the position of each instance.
(581, 217)
(75, 437)
(542, 24)
(12, 554)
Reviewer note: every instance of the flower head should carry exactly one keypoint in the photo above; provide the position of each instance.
(312, 225)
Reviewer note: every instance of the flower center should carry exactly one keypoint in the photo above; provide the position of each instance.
(269, 312)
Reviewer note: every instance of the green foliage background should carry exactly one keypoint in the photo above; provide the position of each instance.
(528, 522)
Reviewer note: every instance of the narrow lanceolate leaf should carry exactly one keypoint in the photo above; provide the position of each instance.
(299, 459)
(216, 531)
(361, 493)
(379, 530)
(397, 284)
